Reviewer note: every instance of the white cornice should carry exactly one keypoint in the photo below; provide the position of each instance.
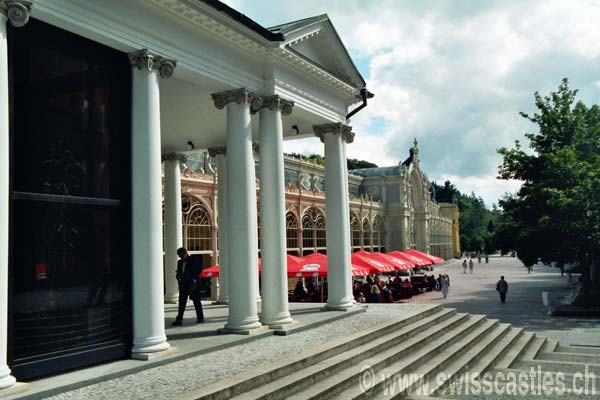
(127, 35)
(309, 102)
(301, 64)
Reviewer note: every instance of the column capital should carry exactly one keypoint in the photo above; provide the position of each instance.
(276, 103)
(17, 11)
(336, 128)
(216, 151)
(144, 59)
(238, 96)
(174, 157)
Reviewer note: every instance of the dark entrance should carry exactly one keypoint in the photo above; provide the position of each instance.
(70, 267)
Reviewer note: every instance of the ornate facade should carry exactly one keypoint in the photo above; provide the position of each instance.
(391, 208)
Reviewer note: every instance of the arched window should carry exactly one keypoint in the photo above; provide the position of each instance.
(291, 231)
(378, 233)
(313, 229)
(355, 230)
(366, 233)
(197, 225)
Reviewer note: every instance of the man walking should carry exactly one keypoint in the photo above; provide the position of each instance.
(188, 277)
(502, 288)
(470, 265)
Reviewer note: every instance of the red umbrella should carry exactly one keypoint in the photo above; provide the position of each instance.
(398, 264)
(417, 261)
(213, 272)
(315, 264)
(374, 266)
(418, 253)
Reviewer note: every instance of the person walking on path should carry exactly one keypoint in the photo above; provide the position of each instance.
(471, 265)
(188, 278)
(445, 285)
(464, 266)
(502, 288)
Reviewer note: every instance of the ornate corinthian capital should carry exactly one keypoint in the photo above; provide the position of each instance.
(182, 158)
(144, 59)
(239, 96)
(17, 11)
(218, 150)
(276, 103)
(335, 128)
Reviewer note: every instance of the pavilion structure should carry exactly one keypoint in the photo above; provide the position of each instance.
(102, 95)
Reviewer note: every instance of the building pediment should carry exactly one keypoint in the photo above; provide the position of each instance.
(315, 40)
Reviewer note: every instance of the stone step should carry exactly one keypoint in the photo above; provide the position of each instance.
(264, 374)
(416, 347)
(429, 357)
(331, 385)
(556, 366)
(570, 357)
(446, 364)
(496, 352)
(532, 350)
(509, 357)
(298, 380)
(578, 349)
(511, 383)
(475, 360)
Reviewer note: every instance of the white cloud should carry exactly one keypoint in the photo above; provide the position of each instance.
(455, 74)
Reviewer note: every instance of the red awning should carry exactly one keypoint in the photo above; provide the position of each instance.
(398, 264)
(315, 264)
(213, 272)
(417, 261)
(433, 259)
(374, 266)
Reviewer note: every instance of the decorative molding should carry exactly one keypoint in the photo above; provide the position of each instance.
(216, 151)
(144, 59)
(335, 128)
(182, 158)
(238, 96)
(17, 11)
(276, 103)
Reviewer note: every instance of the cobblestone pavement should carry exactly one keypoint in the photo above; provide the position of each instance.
(169, 380)
(476, 293)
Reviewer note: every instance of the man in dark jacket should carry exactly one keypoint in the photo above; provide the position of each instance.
(188, 277)
(502, 288)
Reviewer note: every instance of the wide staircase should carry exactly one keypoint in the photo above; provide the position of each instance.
(434, 353)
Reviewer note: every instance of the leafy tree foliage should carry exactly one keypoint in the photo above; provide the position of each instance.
(358, 164)
(316, 158)
(320, 160)
(475, 219)
(555, 216)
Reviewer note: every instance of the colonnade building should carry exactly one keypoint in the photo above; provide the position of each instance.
(94, 97)
(391, 208)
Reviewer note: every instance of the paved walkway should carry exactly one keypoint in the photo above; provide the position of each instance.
(476, 293)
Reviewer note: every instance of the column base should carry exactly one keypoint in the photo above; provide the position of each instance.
(242, 324)
(7, 380)
(242, 331)
(343, 305)
(149, 345)
(277, 320)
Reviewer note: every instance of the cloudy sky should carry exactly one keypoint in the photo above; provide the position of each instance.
(453, 74)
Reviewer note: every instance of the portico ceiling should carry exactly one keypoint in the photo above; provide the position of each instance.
(188, 114)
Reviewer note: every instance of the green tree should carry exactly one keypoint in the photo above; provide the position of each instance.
(554, 216)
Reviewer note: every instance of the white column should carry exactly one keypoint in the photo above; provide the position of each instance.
(148, 300)
(275, 309)
(6, 379)
(338, 218)
(220, 154)
(173, 222)
(241, 210)
(18, 14)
